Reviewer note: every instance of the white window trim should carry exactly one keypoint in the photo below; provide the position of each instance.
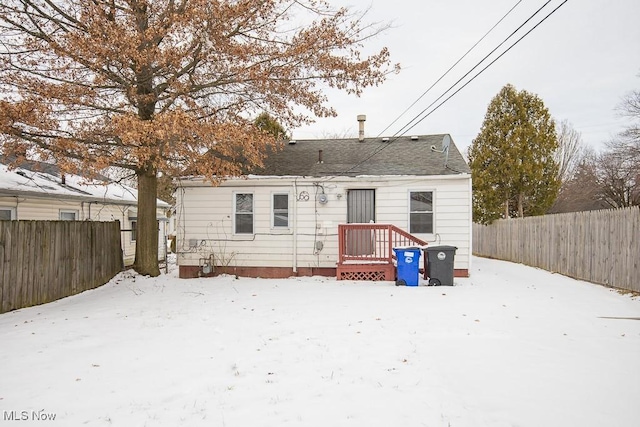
(253, 213)
(10, 209)
(68, 211)
(273, 225)
(433, 210)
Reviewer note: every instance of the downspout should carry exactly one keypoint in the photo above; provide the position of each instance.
(295, 227)
(123, 226)
(470, 225)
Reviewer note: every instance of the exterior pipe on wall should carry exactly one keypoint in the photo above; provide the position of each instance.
(295, 227)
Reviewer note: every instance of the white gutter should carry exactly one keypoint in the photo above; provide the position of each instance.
(259, 180)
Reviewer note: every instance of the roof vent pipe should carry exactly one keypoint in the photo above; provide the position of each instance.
(320, 157)
(361, 119)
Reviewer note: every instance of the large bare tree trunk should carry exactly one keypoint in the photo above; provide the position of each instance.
(146, 261)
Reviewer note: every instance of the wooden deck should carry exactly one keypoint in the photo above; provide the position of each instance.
(365, 251)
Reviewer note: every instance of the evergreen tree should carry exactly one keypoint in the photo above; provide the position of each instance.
(512, 160)
(271, 126)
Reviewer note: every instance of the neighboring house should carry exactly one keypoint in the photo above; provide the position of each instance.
(285, 219)
(38, 191)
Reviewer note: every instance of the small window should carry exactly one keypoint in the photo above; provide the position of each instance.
(7, 214)
(421, 212)
(280, 210)
(134, 229)
(243, 213)
(66, 215)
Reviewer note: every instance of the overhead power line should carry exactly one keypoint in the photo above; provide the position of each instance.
(474, 67)
(450, 68)
(481, 71)
(418, 119)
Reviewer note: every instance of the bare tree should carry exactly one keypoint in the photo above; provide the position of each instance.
(610, 179)
(344, 133)
(630, 108)
(582, 191)
(569, 152)
(161, 86)
(620, 166)
(619, 174)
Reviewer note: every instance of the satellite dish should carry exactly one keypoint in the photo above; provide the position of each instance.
(446, 140)
(322, 198)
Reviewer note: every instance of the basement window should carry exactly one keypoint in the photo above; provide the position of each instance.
(421, 212)
(7, 213)
(68, 215)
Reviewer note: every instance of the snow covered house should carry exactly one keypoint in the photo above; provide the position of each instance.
(38, 191)
(333, 207)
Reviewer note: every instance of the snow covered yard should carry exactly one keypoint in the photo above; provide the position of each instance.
(510, 346)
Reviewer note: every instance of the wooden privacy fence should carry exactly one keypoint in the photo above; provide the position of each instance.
(598, 246)
(42, 261)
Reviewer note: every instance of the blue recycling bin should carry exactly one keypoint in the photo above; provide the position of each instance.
(408, 266)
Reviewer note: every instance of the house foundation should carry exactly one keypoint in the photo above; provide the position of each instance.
(193, 272)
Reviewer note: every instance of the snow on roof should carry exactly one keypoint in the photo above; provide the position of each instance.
(22, 181)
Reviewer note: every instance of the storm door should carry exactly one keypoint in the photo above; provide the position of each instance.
(361, 208)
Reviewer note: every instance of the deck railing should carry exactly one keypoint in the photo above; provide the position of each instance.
(372, 243)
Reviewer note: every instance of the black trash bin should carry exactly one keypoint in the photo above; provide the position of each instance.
(440, 264)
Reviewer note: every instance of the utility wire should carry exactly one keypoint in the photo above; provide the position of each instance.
(450, 68)
(488, 65)
(419, 119)
(402, 130)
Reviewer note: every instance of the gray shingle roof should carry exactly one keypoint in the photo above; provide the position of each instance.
(373, 156)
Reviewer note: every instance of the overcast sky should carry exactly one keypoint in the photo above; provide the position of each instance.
(581, 61)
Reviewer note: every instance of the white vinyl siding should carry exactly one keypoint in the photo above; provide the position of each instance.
(206, 214)
(280, 210)
(243, 213)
